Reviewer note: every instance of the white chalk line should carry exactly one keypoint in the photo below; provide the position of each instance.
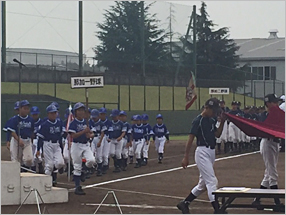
(150, 194)
(133, 206)
(162, 171)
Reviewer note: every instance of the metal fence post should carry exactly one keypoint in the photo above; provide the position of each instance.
(159, 97)
(66, 63)
(264, 88)
(38, 91)
(273, 85)
(144, 93)
(118, 92)
(254, 93)
(129, 97)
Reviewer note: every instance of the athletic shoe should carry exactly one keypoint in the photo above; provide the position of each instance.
(54, 183)
(184, 207)
(99, 173)
(160, 161)
(117, 169)
(82, 177)
(137, 165)
(61, 170)
(79, 191)
(279, 208)
(257, 204)
(144, 163)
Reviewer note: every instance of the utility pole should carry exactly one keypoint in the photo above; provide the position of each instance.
(142, 37)
(80, 38)
(183, 49)
(195, 40)
(4, 39)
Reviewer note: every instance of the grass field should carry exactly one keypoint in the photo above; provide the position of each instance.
(109, 94)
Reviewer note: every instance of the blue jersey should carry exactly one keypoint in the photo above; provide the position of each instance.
(128, 132)
(149, 131)
(51, 131)
(107, 123)
(37, 126)
(77, 126)
(262, 116)
(5, 128)
(97, 127)
(138, 132)
(26, 126)
(235, 112)
(116, 129)
(160, 130)
(204, 129)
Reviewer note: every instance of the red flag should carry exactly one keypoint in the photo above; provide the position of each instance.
(191, 94)
(70, 119)
(273, 126)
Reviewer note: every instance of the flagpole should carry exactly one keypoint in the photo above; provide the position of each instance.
(68, 139)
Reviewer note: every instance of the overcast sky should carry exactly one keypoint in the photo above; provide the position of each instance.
(53, 24)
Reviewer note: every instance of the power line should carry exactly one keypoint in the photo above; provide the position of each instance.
(33, 26)
(52, 26)
(50, 17)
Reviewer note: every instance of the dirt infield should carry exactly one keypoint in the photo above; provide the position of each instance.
(159, 193)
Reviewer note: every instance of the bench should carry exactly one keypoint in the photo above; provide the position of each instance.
(228, 196)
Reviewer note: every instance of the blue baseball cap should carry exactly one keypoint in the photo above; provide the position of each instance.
(51, 108)
(16, 105)
(132, 118)
(102, 110)
(94, 113)
(123, 113)
(114, 113)
(24, 103)
(35, 110)
(56, 104)
(159, 116)
(78, 105)
(145, 117)
(67, 112)
(137, 117)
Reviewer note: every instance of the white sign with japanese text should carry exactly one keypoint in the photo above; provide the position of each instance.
(218, 91)
(87, 82)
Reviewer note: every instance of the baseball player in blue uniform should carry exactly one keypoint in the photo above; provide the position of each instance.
(50, 139)
(22, 142)
(98, 127)
(161, 136)
(105, 142)
(205, 131)
(5, 128)
(80, 147)
(117, 131)
(130, 148)
(125, 140)
(138, 134)
(269, 149)
(35, 114)
(146, 144)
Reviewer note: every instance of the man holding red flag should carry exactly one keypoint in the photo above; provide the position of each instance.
(269, 149)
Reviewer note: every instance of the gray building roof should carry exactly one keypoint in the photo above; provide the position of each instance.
(261, 49)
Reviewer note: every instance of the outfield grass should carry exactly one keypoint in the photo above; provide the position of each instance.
(109, 94)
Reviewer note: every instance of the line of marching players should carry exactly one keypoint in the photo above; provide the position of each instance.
(232, 138)
(52, 145)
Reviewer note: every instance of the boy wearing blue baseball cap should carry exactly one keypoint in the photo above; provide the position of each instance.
(146, 144)
(125, 139)
(161, 136)
(35, 114)
(21, 143)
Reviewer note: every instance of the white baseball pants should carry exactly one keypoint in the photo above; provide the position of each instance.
(159, 144)
(116, 148)
(25, 153)
(145, 148)
(36, 159)
(137, 148)
(124, 148)
(66, 152)
(97, 151)
(53, 157)
(205, 158)
(105, 150)
(78, 151)
(270, 153)
(234, 133)
(130, 149)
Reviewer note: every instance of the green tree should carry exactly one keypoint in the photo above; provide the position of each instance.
(216, 55)
(121, 39)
